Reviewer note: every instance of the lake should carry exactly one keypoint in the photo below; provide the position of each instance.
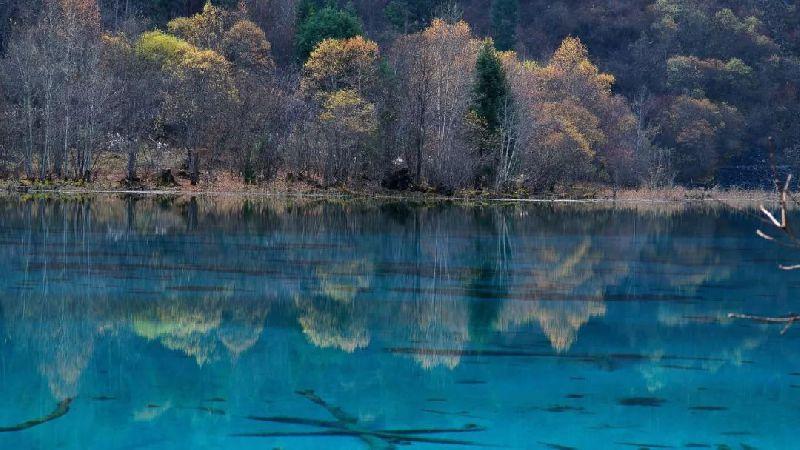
(302, 323)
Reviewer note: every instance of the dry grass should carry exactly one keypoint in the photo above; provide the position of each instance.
(110, 172)
(681, 194)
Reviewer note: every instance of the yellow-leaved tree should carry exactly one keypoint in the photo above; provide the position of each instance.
(221, 68)
(201, 91)
(205, 29)
(340, 76)
(572, 127)
(341, 64)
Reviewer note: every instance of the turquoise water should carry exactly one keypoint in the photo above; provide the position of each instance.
(169, 323)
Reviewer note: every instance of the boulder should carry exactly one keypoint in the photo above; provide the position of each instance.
(398, 176)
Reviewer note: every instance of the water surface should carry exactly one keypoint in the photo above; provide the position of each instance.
(231, 323)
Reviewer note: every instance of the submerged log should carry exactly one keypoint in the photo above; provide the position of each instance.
(61, 409)
(788, 320)
(390, 438)
(347, 425)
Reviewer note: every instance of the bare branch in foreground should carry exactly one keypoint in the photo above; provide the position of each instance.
(782, 226)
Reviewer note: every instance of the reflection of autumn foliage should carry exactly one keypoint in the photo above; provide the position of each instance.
(195, 327)
(58, 335)
(568, 270)
(436, 289)
(342, 282)
(439, 324)
(329, 323)
(334, 318)
(180, 325)
(242, 326)
(64, 355)
(687, 282)
(559, 320)
(690, 267)
(64, 364)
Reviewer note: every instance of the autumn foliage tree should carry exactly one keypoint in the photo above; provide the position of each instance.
(201, 91)
(340, 76)
(360, 89)
(341, 64)
(703, 135)
(221, 67)
(61, 97)
(437, 75)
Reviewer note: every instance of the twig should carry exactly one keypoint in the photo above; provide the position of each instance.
(782, 225)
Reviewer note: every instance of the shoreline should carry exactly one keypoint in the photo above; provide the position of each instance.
(600, 196)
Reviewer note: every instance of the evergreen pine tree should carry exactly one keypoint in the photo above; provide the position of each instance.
(490, 96)
(319, 24)
(491, 89)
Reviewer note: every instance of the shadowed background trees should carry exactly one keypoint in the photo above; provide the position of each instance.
(497, 95)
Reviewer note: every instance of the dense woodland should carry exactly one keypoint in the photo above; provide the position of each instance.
(500, 95)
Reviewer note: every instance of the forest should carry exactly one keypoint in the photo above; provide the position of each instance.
(505, 96)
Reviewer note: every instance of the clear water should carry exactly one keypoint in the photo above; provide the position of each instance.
(157, 323)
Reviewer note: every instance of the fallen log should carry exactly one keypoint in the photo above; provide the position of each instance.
(61, 409)
(788, 320)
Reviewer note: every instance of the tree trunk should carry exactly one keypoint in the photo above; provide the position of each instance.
(131, 164)
(194, 173)
(420, 144)
(29, 128)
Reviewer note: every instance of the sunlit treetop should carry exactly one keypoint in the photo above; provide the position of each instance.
(205, 29)
(205, 61)
(241, 41)
(571, 74)
(341, 63)
(441, 29)
(246, 46)
(163, 48)
(182, 59)
(722, 79)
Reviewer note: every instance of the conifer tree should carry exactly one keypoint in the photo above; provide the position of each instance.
(490, 102)
(491, 89)
(326, 23)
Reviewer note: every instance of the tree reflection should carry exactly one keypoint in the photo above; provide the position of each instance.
(57, 336)
(242, 325)
(196, 327)
(203, 277)
(181, 325)
(438, 324)
(561, 278)
(328, 323)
